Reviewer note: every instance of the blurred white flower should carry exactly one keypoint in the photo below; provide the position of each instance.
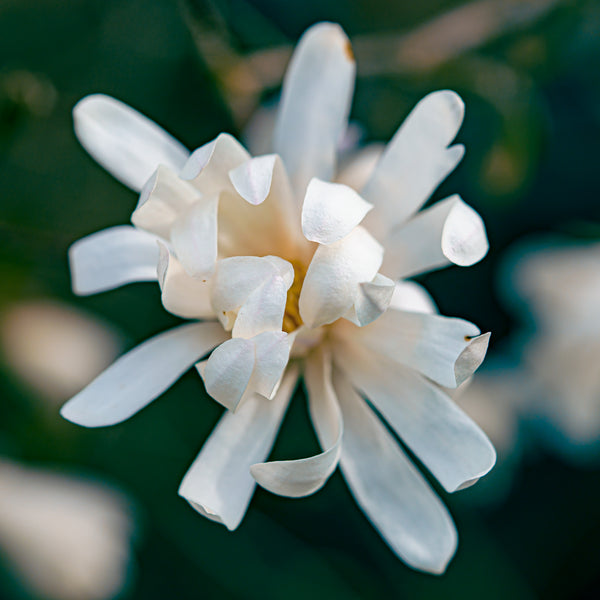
(560, 283)
(55, 348)
(68, 539)
(290, 272)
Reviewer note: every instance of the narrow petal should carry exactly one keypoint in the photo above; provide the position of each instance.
(445, 349)
(316, 96)
(141, 375)
(297, 478)
(164, 197)
(415, 161)
(127, 144)
(409, 295)
(331, 211)
(194, 237)
(396, 499)
(448, 232)
(442, 436)
(112, 257)
(218, 484)
(208, 167)
(182, 295)
(331, 285)
(356, 170)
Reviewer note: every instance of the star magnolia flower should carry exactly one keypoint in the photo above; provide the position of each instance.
(290, 272)
(67, 538)
(557, 282)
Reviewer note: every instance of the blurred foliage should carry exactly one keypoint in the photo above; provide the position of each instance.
(531, 82)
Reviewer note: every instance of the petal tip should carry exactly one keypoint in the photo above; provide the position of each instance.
(464, 239)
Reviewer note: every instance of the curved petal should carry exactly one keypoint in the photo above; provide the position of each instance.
(241, 367)
(141, 375)
(218, 484)
(127, 144)
(272, 355)
(164, 197)
(441, 435)
(395, 497)
(331, 211)
(208, 167)
(194, 237)
(112, 257)
(253, 178)
(448, 232)
(445, 349)
(182, 295)
(372, 300)
(415, 161)
(331, 285)
(249, 293)
(267, 221)
(316, 96)
(297, 478)
(227, 371)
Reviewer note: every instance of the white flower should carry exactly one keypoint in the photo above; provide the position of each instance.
(67, 538)
(279, 261)
(55, 347)
(560, 283)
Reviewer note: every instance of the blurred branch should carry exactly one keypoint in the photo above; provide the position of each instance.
(242, 79)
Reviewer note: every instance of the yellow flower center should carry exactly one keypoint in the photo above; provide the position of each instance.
(291, 318)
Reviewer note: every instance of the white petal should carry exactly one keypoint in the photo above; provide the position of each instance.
(218, 484)
(444, 349)
(182, 295)
(415, 161)
(127, 144)
(413, 297)
(297, 478)
(272, 350)
(227, 371)
(251, 290)
(356, 170)
(331, 211)
(194, 237)
(397, 500)
(442, 436)
(141, 375)
(68, 538)
(331, 285)
(112, 257)
(267, 220)
(164, 197)
(372, 301)
(208, 167)
(448, 232)
(316, 96)
(252, 179)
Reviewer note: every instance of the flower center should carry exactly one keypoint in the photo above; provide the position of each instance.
(291, 318)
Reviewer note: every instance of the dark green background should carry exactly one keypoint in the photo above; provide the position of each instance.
(532, 133)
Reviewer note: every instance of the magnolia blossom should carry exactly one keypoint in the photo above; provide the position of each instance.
(286, 270)
(560, 284)
(55, 348)
(67, 538)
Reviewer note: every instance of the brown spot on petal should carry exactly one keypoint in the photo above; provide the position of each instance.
(348, 50)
